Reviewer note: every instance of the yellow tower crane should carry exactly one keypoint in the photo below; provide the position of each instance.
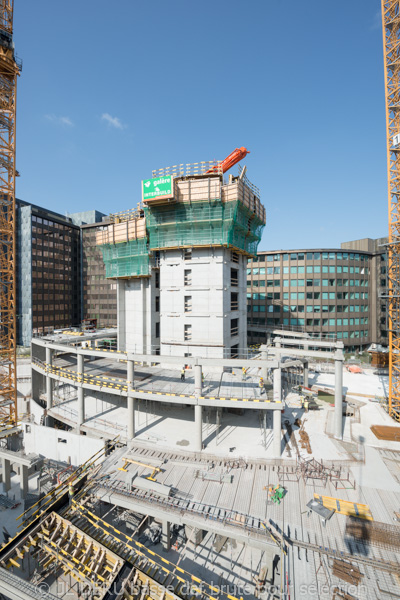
(391, 49)
(9, 70)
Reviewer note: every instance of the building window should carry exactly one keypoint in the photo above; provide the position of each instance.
(188, 304)
(235, 301)
(235, 351)
(188, 277)
(234, 327)
(187, 332)
(235, 257)
(157, 280)
(157, 330)
(234, 277)
(187, 254)
(157, 303)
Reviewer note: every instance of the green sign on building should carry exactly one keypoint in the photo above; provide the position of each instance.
(158, 188)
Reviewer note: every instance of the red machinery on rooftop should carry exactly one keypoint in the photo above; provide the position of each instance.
(231, 160)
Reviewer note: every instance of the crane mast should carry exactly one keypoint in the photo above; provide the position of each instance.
(9, 70)
(391, 48)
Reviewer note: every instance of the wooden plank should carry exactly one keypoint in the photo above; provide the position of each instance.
(344, 507)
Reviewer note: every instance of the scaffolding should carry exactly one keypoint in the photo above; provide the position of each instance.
(204, 223)
(127, 259)
(204, 211)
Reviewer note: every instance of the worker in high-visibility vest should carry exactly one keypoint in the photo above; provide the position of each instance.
(244, 370)
(70, 493)
(306, 405)
(261, 385)
(183, 375)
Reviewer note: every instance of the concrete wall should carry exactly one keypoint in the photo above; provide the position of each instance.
(136, 323)
(209, 292)
(364, 245)
(38, 380)
(60, 445)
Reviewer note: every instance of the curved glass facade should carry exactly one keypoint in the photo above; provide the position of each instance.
(328, 293)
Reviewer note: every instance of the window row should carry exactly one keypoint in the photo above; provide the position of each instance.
(310, 296)
(309, 308)
(311, 256)
(308, 269)
(309, 283)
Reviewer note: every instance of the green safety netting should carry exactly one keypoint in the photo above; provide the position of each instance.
(127, 259)
(202, 224)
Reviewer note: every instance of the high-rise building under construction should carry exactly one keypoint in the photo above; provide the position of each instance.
(180, 262)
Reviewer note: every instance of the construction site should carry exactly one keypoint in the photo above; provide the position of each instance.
(167, 459)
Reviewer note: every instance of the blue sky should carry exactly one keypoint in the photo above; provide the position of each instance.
(110, 91)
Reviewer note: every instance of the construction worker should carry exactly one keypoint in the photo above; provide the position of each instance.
(302, 401)
(306, 405)
(261, 385)
(70, 493)
(244, 370)
(183, 375)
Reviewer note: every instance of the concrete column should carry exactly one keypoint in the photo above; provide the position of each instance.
(6, 474)
(276, 444)
(131, 402)
(24, 481)
(49, 381)
(131, 417)
(339, 395)
(198, 422)
(305, 374)
(81, 392)
(277, 385)
(166, 535)
(264, 355)
(130, 374)
(218, 423)
(198, 381)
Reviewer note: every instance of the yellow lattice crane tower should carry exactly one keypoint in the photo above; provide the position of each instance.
(9, 70)
(391, 48)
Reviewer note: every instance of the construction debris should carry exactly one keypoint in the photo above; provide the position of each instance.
(151, 535)
(209, 476)
(347, 572)
(304, 438)
(7, 502)
(314, 469)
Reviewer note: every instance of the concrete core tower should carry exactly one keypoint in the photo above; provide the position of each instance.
(180, 261)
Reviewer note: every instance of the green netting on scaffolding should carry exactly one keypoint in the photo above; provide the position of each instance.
(203, 224)
(127, 259)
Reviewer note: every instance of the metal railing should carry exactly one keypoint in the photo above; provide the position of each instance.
(183, 170)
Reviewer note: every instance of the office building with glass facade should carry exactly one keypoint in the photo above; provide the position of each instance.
(48, 271)
(99, 295)
(331, 293)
